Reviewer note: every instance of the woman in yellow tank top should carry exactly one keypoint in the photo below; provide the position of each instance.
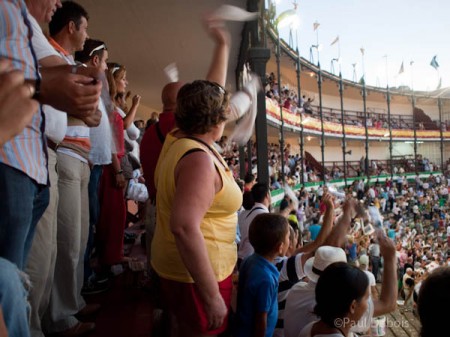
(193, 249)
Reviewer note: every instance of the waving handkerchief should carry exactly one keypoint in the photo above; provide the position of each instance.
(233, 13)
(171, 72)
(244, 104)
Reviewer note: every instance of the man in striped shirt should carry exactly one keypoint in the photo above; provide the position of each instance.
(23, 159)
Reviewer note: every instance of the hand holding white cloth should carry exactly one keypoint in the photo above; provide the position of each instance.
(233, 13)
(244, 104)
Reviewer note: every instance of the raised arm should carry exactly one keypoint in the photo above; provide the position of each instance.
(219, 65)
(327, 226)
(388, 296)
(337, 236)
(129, 118)
(195, 190)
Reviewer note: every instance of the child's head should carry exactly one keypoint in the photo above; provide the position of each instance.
(269, 234)
(350, 299)
(293, 240)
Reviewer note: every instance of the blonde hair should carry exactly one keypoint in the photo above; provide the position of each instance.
(115, 72)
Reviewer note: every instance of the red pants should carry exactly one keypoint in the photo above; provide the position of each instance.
(111, 224)
(183, 300)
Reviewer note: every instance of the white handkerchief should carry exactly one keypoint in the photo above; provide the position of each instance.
(290, 193)
(171, 72)
(233, 13)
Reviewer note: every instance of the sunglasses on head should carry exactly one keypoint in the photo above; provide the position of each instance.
(100, 47)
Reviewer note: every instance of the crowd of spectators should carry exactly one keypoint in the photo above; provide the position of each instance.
(76, 174)
(288, 98)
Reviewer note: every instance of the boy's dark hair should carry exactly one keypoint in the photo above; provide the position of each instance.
(89, 50)
(249, 178)
(259, 191)
(284, 204)
(69, 11)
(247, 200)
(267, 231)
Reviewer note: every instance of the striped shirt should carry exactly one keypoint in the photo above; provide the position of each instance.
(27, 151)
(76, 142)
(291, 272)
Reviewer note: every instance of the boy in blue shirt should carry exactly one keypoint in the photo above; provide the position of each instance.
(257, 305)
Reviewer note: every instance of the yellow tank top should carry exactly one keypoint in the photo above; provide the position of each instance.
(218, 226)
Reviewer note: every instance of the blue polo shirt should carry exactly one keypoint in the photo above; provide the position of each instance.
(257, 293)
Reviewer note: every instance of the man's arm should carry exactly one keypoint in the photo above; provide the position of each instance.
(75, 93)
(53, 61)
(16, 106)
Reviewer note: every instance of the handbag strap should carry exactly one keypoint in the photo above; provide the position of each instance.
(214, 152)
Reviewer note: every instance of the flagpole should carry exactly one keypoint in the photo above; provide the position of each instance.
(302, 140)
(441, 133)
(413, 102)
(299, 94)
(281, 138)
(412, 75)
(344, 141)
(435, 65)
(388, 101)
(339, 52)
(386, 67)
(364, 94)
(319, 85)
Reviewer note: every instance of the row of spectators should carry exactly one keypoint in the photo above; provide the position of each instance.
(288, 98)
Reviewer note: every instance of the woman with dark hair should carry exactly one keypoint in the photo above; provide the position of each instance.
(434, 290)
(342, 293)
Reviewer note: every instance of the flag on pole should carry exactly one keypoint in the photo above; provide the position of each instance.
(362, 50)
(434, 63)
(335, 40)
(402, 69)
(440, 84)
(316, 25)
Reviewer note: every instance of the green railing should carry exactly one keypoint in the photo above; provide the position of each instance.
(277, 195)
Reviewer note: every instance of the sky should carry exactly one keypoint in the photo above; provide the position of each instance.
(403, 30)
